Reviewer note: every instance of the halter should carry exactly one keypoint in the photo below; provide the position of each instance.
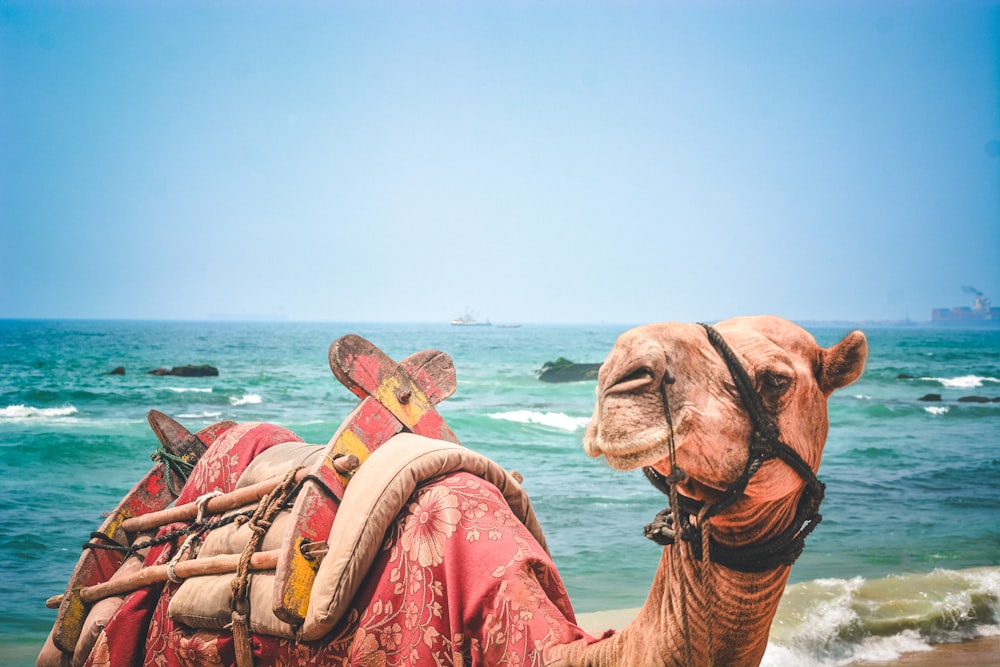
(765, 444)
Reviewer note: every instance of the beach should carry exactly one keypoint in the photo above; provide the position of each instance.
(904, 567)
(978, 652)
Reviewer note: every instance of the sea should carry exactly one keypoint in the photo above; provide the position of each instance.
(907, 555)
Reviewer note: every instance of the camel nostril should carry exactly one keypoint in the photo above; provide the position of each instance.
(638, 379)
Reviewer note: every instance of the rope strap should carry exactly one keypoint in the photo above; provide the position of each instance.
(108, 544)
(783, 549)
(320, 484)
(268, 508)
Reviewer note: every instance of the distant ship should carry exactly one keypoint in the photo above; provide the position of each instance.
(980, 313)
(467, 320)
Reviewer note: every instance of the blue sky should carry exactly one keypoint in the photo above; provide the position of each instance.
(536, 162)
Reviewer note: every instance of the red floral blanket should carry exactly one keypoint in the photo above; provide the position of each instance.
(459, 581)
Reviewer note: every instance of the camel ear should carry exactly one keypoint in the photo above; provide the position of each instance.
(843, 363)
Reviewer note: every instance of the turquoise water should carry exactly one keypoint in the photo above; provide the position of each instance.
(913, 488)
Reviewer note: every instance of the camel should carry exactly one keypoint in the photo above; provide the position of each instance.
(728, 421)
(668, 402)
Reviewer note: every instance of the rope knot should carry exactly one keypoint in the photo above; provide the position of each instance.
(677, 475)
(201, 502)
(175, 465)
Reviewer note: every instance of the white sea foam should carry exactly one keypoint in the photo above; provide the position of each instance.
(937, 409)
(245, 399)
(819, 643)
(870, 649)
(887, 649)
(963, 381)
(811, 616)
(185, 390)
(550, 419)
(200, 415)
(837, 622)
(24, 412)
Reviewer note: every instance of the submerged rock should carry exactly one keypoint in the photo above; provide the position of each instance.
(117, 370)
(930, 397)
(203, 370)
(564, 370)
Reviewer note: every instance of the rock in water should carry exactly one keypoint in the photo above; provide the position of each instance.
(564, 370)
(195, 371)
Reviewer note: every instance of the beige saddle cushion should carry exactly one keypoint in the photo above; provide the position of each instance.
(205, 602)
(379, 490)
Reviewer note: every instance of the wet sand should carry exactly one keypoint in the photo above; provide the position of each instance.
(982, 652)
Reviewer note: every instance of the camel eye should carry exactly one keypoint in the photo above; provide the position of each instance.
(773, 386)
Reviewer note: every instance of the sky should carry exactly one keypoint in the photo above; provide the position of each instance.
(549, 162)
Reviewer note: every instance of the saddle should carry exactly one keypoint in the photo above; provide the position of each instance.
(379, 491)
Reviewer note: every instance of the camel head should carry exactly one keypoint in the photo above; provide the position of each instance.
(663, 381)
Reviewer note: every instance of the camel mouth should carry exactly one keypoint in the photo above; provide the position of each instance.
(631, 457)
(691, 487)
(700, 491)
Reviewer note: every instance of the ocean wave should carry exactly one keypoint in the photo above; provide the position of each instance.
(833, 622)
(963, 381)
(245, 399)
(200, 415)
(186, 390)
(872, 649)
(937, 409)
(551, 419)
(24, 412)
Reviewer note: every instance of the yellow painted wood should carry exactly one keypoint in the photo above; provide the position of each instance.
(347, 443)
(301, 574)
(74, 614)
(413, 410)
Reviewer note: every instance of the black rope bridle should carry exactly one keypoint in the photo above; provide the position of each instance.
(765, 444)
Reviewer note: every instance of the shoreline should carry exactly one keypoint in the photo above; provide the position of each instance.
(975, 652)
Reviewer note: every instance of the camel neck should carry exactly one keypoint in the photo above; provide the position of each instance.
(700, 613)
(710, 614)
(715, 615)
(695, 616)
(706, 614)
